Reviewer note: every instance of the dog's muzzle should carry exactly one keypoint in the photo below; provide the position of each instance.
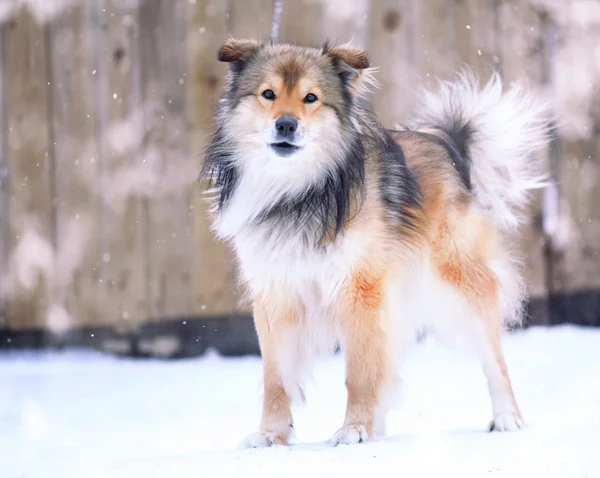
(286, 127)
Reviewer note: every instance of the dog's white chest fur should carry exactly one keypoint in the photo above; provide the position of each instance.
(275, 264)
(276, 260)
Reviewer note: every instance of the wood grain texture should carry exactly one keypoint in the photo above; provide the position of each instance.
(434, 41)
(4, 201)
(475, 30)
(575, 251)
(166, 154)
(75, 118)
(123, 232)
(214, 267)
(391, 49)
(576, 258)
(523, 58)
(30, 165)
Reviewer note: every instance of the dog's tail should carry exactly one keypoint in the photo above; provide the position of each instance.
(498, 134)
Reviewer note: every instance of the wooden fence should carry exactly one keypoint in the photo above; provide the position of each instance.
(105, 107)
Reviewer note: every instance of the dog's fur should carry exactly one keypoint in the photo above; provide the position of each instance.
(362, 236)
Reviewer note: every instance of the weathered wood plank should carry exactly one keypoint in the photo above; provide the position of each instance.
(475, 35)
(120, 131)
(391, 49)
(4, 201)
(76, 166)
(523, 59)
(575, 253)
(214, 266)
(576, 261)
(166, 153)
(434, 41)
(30, 165)
(520, 43)
(575, 250)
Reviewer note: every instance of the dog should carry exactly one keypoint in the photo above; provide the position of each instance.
(347, 233)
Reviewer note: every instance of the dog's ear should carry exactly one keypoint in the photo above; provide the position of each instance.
(233, 49)
(353, 66)
(354, 57)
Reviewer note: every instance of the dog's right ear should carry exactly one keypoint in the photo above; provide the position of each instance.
(233, 49)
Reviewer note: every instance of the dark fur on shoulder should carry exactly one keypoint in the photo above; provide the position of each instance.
(400, 190)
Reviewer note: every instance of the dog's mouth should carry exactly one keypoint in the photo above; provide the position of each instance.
(284, 148)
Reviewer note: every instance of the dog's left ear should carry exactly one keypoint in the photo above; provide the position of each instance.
(352, 65)
(233, 49)
(354, 57)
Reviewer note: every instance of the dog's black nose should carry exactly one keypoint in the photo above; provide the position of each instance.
(286, 127)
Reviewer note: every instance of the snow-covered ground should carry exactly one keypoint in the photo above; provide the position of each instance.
(80, 414)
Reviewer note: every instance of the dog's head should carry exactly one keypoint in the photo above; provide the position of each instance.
(291, 137)
(291, 104)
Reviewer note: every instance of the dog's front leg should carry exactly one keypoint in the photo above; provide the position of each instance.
(275, 325)
(361, 320)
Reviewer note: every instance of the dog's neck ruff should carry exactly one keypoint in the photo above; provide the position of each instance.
(316, 205)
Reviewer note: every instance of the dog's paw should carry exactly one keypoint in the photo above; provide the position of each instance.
(506, 422)
(263, 439)
(349, 435)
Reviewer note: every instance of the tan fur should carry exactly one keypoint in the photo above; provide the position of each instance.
(290, 99)
(271, 320)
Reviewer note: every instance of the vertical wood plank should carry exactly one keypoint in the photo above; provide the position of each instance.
(475, 34)
(576, 260)
(74, 121)
(520, 40)
(4, 200)
(164, 72)
(29, 157)
(434, 41)
(523, 57)
(575, 251)
(391, 50)
(124, 272)
(214, 267)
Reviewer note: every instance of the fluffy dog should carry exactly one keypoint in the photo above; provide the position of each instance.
(352, 234)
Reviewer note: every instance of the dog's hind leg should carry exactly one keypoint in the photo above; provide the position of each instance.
(507, 416)
(477, 287)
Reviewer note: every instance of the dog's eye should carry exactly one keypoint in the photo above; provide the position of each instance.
(268, 95)
(310, 98)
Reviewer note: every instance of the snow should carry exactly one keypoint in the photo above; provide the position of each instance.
(83, 414)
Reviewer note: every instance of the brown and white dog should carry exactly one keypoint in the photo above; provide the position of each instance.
(352, 234)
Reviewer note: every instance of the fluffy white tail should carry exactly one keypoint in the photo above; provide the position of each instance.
(499, 133)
